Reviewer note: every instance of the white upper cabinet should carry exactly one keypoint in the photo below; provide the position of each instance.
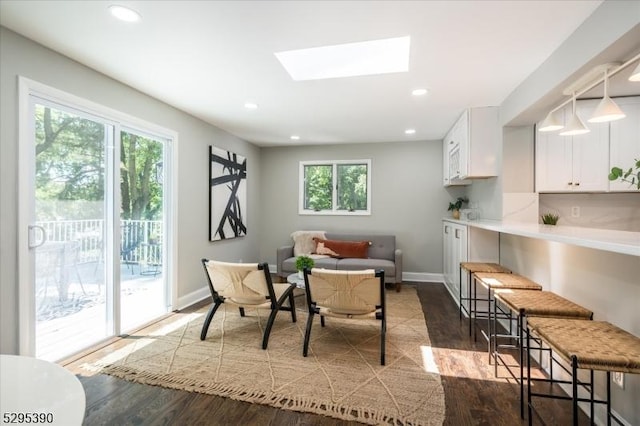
(478, 132)
(624, 143)
(574, 163)
(472, 145)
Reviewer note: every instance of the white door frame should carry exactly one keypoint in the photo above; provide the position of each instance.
(26, 209)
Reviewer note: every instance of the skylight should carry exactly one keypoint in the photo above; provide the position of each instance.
(348, 60)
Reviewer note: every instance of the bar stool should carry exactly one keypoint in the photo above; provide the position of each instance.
(472, 268)
(589, 345)
(498, 282)
(524, 304)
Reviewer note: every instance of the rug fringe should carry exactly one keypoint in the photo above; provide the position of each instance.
(367, 415)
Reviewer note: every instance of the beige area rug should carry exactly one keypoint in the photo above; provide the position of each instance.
(342, 376)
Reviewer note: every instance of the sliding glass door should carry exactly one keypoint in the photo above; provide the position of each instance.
(71, 164)
(142, 229)
(97, 240)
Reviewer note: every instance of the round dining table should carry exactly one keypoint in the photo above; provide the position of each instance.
(39, 392)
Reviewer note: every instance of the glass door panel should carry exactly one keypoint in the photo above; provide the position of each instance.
(70, 268)
(142, 271)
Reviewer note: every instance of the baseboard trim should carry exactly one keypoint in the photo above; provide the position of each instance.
(193, 298)
(422, 277)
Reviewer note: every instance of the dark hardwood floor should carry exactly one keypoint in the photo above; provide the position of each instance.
(473, 395)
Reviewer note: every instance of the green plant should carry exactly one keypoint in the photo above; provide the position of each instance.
(457, 204)
(627, 176)
(550, 218)
(303, 262)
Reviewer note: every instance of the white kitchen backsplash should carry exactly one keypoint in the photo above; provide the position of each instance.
(520, 207)
(620, 211)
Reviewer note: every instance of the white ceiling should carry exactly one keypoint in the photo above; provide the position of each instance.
(210, 57)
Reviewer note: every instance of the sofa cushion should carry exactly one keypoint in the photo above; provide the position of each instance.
(351, 264)
(303, 242)
(382, 246)
(321, 249)
(352, 249)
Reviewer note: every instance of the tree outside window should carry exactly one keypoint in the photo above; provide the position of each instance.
(335, 187)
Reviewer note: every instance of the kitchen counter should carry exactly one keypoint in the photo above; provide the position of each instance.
(624, 242)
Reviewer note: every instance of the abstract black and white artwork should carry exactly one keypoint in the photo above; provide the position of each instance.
(227, 195)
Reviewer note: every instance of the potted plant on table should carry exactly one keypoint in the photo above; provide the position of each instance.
(454, 207)
(303, 262)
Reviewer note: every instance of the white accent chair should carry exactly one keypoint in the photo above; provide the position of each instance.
(347, 295)
(246, 285)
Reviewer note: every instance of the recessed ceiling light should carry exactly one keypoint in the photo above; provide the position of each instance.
(348, 60)
(124, 13)
(419, 92)
(250, 105)
(410, 131)
(295, 137)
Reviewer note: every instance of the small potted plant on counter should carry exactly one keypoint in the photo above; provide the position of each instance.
(454, 207)
(303, 262)
(549, 218)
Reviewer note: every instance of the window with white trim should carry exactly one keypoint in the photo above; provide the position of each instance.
(335, 187)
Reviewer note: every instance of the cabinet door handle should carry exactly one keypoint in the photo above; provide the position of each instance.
(446, 229)
(577, 183)
(457, 233)
(570, 183)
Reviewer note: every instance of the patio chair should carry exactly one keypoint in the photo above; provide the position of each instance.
(131, 240)
(347, 295)
(246, 285)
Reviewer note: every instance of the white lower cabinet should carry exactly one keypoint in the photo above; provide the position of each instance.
(462, 243)
(455, 251)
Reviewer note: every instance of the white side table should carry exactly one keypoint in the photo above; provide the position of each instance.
(295, 279)
(33, 387)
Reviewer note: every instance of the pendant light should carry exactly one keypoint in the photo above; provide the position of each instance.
(552, 122)
(607, 110)
(575, 125)
(635, 75)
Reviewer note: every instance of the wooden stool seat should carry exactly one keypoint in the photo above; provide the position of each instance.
(589, 345)
(472, 268)
(497, 281)
(542, 304)
(527, 304)
(595, 345)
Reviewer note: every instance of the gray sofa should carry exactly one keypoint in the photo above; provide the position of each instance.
(383, 254)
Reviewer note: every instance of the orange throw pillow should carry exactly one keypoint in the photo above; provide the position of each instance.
(354, 249)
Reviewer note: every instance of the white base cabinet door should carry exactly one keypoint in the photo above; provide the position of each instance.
(463, 243)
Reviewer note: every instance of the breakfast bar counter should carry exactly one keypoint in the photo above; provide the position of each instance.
(623, 242)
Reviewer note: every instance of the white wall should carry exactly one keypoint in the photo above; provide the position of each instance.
(619, 211)
(408, 199)
(20, 56)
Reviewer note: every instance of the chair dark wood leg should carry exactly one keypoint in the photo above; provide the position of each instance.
(383, 334)
(292, 305)
(307, 334)
(241, 311)
(322, 320)
(398, 287)
(267, 330)
(207, 321)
